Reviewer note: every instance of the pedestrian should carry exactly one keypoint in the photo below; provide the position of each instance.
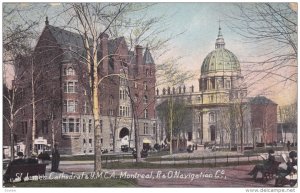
(288, 145)
(55, 159)
(266, 164)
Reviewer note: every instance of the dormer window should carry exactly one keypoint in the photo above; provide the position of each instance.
(69, 71)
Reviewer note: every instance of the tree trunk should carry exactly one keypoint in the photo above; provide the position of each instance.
(171, 124)
(96, 113)
(52, 130)
(177, 142)
(12, 140)
(137, 139)
(33, 111)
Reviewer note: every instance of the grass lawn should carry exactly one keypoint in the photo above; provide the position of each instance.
(114, 182)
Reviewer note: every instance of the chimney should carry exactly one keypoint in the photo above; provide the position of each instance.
(104, 48)
(139, 54)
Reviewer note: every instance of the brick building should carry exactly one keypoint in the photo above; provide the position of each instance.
(264, 119)
(63, 107)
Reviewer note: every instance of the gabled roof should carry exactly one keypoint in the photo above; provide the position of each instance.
(261, 100)
(70, 40)
(148, 57)
(64, 37)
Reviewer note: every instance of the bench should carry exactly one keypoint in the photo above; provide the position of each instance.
(269, 173)
(22, 170)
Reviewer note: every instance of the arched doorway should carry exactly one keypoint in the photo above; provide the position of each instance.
(212, 133)
(124, 132)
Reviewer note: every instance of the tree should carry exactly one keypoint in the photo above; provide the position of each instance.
(224, 115)
(181, 119)
(16, 40)
(172, 77)
(288, 115)
(273, 24)
(89, 17)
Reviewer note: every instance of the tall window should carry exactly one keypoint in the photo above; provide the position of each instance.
(111, 100)
(145, 128)
(86, 107)
(123, 94)
(145, 85)
(146, 113)
(154, 128)
(90, 125)
(83, 126)
(101, 126)
(145, 99)
(211, 117)
(227, 84)
(77, 128)
(70, 86)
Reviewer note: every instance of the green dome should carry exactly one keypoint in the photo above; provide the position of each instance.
(220, 60)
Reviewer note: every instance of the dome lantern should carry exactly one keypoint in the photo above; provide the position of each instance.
(220, 43)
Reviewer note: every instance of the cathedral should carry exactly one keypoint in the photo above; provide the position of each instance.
(220, 111)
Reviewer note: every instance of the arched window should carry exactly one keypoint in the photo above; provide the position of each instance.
(211, 117)
(70, 71)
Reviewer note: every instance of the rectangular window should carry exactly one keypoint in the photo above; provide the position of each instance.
(70, 86)
(71, 125)
(86, 107)
(101, 126)
(65, 87)
(71, 106)
(111, 112)
(65, 106)
(90, 142)
(154, 128)
(64, 126)
(83, 126)
(145, 128)
(77, 125)
(146, 113)
(90, 125)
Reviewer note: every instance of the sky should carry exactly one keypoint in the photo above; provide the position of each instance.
(200, 23)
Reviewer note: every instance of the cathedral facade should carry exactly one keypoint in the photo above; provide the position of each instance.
(220, 111)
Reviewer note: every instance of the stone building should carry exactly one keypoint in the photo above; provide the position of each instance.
(221, 112)
(63, 107)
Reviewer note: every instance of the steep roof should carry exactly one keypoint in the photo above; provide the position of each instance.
(148, 57)
(261, 100)
(70, 40)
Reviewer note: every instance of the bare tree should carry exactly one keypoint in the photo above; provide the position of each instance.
(288, 115)
(88, 19)
(171, 77)
(273, 25)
